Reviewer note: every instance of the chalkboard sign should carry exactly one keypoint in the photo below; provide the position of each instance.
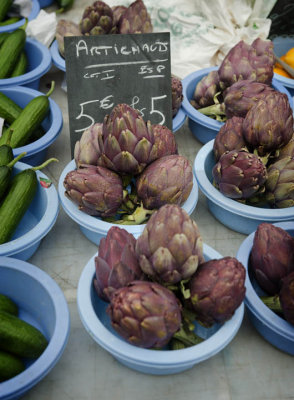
(105, 70)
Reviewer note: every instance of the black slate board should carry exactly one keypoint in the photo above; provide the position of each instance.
(105, 70)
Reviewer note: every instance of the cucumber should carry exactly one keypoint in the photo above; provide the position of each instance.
(6, 154)
(10, 52)
(3, 36)
(20, 66)
(20, 338)
(21, 192)
(29, 119)
(4, 7)
(9, 21)
(10, 366)
(5, 175)
(7, 305)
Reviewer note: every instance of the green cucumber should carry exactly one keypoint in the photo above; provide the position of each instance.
(7, 305)
(3, 37)
(6, 154)
(5, 175)
(9, 21)
(29, 119)
(4, 7)
(10, 366)
(20, 338)
(20, 66)
(10, 52)
(22, 190)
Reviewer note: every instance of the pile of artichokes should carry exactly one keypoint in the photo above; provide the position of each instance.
(159, 284)
(272, 264)
(127, 168)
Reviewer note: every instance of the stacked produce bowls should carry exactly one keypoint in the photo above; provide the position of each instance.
(281, 45)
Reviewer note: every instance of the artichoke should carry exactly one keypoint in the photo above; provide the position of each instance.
(248, 62)
(97, 190)
(135, 19)
(117, 11)
(177, 94)
(89, 148)
(168, 180)
(170, 247)
(127, 140)
(217, 289)
(65, 28)
(164, 143)
(146, 314)
(268, 125)
(116, 264)
(206, 90)
(280, 183)
(287, 150)
(272, 256)
(97, 19)
(229, 137)
(239, 174)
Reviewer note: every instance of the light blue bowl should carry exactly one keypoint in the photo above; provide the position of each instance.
(231, 213)
(205, 128)
(273, 328)
(52, 124)
(34, 12)
(45, 3)
(39, 62)
(93, 315)
(42, 304)
(35, 224)
(281, 45)
(93, 227)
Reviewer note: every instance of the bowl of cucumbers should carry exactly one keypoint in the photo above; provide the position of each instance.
(28, 208)
(32, 303)
(10, 23)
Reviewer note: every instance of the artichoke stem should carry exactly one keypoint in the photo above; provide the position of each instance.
(139, 216)
(187, 338)
(177, 344)
(215, 109)
(272, 302)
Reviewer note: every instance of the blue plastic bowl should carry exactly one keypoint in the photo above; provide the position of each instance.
(93, 227)
(36, 151)
(45, 3)
(93, 315)
(281, 45)
(39, 62)
(205, 128)
(35, 224)
(236, 216)
(34, 12)
(42, 304)
(273, 328)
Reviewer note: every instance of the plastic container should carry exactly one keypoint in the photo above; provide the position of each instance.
(273, 328)
(52, 124)
(231, 213)
(39, 62)
(157, 362)
(42, 304)
(33, 14)
(203, 127)
(93, 227)
(281, 45)
(35, 224)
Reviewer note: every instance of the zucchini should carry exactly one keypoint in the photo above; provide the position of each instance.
(5, 175)
(22, 190)
(4, 7)
(10, 51)
(29, 119)
(20, 66)
(10, 366)
(19, 337)
(7, 305)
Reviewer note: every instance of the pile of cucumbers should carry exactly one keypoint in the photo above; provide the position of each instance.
(19, 340)
(5, 7)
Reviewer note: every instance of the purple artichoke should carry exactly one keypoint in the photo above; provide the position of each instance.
(239, 174)
(287, 150)
(268, 125)
(117, 11)
(286, 296)
(89, 148)
(135, 19)
(65, 28)
(127, 141)
(116, 263)
(245, 62)
(272, 256)
(229, 137)
(164, 143)
(205, 90)
(146, 314)
(97, 19)
(217, 289)
(177, 94)
(168, 180)
(97, 190)
(170, 247)
(280, 183)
